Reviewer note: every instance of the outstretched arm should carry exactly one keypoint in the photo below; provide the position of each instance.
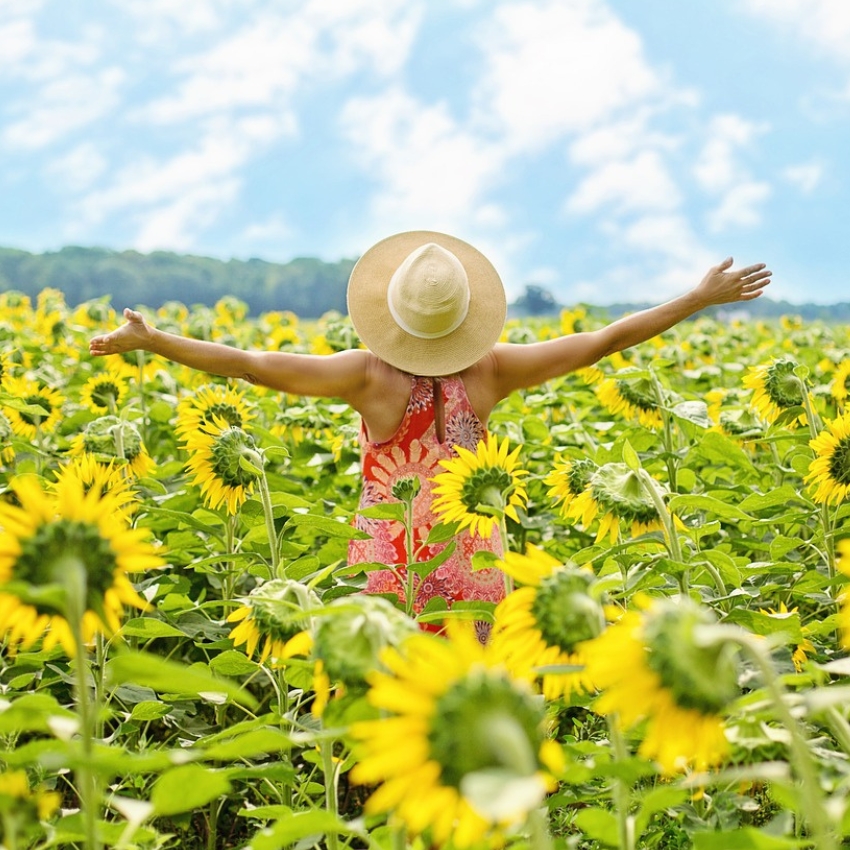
(341, 375)
(521, 366)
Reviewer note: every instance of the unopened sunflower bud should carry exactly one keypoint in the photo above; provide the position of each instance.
(352, 633)
(406, 489)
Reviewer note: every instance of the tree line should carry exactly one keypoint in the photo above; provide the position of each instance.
(307, 286)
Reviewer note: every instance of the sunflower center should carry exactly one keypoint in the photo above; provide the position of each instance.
(839, 462)
(227, 449)
(782, 385)
(489, 487)
(638, 394)
(53, 542)
(563, 610)
(105, 394)
(460, 736)
(227, 412)
(579, 474)
(619, 491)
(700, 676)
(34, 418)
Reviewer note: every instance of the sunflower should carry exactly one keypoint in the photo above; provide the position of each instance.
(829, 471)
(840, 385)
(5, 368)
(801, 650)
(208, 402)
(104, 392)
(216, 452)
(633, 397)
(111, 440)
(37, 541)
(776, 389)
(477, 486)
(568, 479)
(615, 495)
(275, 615)
(540, 626)
(102, 477)
(451, 718)
(43, 407)
(7, 450)
(654, 665)
(22, 807)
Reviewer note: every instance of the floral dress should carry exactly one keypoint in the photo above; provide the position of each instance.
(415, 450)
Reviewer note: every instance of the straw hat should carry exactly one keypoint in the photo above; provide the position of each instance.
(426, 303)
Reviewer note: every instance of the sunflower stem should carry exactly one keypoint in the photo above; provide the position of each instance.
(815, 426)
(622, 792)
(268, 515)
(812, 802)
(75, 579)
(409, 574)
(667, 431)
(331, 790)
(670, 533)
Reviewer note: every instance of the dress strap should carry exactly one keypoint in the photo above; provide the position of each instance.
(439, 410)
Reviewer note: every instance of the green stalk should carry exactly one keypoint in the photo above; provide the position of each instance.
(74, 576)
(331, 791)
(268, 515)
(410, 575)
(670, 534)
(667, 432)
(621, 790)
(812, 799)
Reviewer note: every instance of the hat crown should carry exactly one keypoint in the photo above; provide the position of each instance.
(428, 294)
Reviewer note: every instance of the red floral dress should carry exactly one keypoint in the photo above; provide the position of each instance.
(415, 450)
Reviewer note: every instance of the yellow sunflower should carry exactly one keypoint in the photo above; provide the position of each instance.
(22, 807)
(801, 651)
(616, 496)
(111, 440)
(7, 450)
(829, 471)
(36, 408)
(477, 486)
(215, 465)
(104, 392)
(208, 402)
(653, 666)
(276, 615)
(40, 537)
(451, 718)
(540, 627)
(567, 480)
(776, 389)
(632, 397)
(840, 385)
(5, 368)
(102, 477)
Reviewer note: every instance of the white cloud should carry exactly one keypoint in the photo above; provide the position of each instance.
(718, 166)
(823, 23)
(63, 105)
(806, 176)
(740, 206)
(642, 183)
(273, 229)
(553, 68)
(79, 168)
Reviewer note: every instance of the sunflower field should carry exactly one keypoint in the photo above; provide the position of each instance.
(188, 660)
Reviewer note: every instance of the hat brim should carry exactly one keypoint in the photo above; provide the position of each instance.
(371, 317)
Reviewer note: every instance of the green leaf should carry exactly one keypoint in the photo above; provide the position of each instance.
(693, 411)
(630, 456)
(149, 710)
(325, 526)
(748, 838)
(232, 663)
(782, 496)
(656, 800)
(387, 510)
(254, 743)
(297, 826)
(684, 504)
(186, 788)
(599, 825)
(424, 568)
(441, 533)
(149, 628)
(171, 677)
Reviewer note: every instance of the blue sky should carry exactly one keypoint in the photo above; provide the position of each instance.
(608, 150)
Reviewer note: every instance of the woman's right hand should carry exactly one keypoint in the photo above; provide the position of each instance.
(135, 334)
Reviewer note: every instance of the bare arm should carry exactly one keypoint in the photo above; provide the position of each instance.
(519, 366)
(343, 375)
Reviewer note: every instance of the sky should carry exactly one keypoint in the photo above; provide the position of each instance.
(606, 150)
